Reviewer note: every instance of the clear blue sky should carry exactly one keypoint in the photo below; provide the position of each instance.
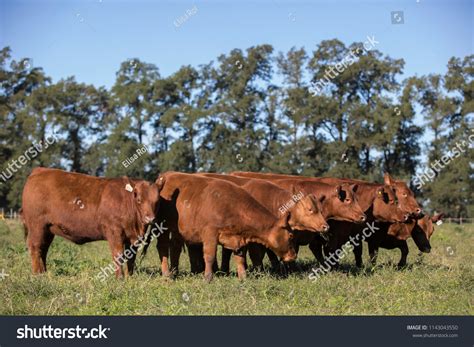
(89, 39)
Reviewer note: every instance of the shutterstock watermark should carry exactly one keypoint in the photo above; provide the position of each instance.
(48, 332)
(340, 253)
(333, 71)
(128, 254)
(31, 153)
(435, 167)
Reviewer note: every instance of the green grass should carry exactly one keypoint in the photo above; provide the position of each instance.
(439, 283)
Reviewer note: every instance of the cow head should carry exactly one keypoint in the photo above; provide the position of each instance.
(280, 240)
(405, 196)
(423, 230)
(306, 215)
(385, 207)
(341, 205)
(147, 197)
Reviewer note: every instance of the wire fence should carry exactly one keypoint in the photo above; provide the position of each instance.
(15, 215)
(9, 214)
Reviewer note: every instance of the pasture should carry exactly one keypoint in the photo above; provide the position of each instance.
(439, 283)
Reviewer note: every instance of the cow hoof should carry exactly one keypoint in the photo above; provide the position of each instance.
(208, 278)
(242, 277)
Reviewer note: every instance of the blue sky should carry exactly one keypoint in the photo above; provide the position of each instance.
(89, 39)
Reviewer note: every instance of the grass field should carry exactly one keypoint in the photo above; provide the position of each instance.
(439, 283)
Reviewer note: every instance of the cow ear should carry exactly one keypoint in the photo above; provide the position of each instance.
(322, 198)
(284, 220)
(437, 217)
(136, 193)
(380, 193)
(160, 182)
(387, 179)
(338, 190)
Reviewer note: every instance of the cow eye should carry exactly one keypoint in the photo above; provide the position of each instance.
(348, 200)
(405, 195)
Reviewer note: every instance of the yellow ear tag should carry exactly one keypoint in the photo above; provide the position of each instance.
(129, 188)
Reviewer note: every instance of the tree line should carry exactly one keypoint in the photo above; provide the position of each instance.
(253, 109)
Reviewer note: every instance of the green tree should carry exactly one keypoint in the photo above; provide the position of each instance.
(448, 107)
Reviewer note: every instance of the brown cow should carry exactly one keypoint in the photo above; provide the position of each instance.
(213, 211)
(377, 200)
(305, 212)
(84, 208)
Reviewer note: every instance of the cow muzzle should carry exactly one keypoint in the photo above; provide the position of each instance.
(290, 256)
(426, 249)
(418, 213)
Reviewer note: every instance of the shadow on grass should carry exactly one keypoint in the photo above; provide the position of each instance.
(302, 269)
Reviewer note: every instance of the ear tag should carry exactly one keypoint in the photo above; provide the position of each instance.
(129, 188)
(380, 192)
(439, 222)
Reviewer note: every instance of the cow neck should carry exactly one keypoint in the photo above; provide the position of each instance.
(280, 199)
(365, 196)
(328, 191)
(261, 231)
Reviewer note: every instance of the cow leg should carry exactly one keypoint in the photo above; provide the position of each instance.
(196, 258)
(404, 250)
(215, 266)
(39, 240)
(333, 261)
(276, 265)
(316, 247)
(210, 251)
(240, 258)
(117, 247)
(130, 266)
(292, 265)
(225, 262)
(163, 246)
(177, 244)
(373, 251)
(256, 253)
(358, 254)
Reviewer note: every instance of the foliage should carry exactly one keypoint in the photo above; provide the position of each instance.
(248, 110)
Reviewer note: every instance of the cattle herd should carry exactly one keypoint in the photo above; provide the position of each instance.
(245, 212)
